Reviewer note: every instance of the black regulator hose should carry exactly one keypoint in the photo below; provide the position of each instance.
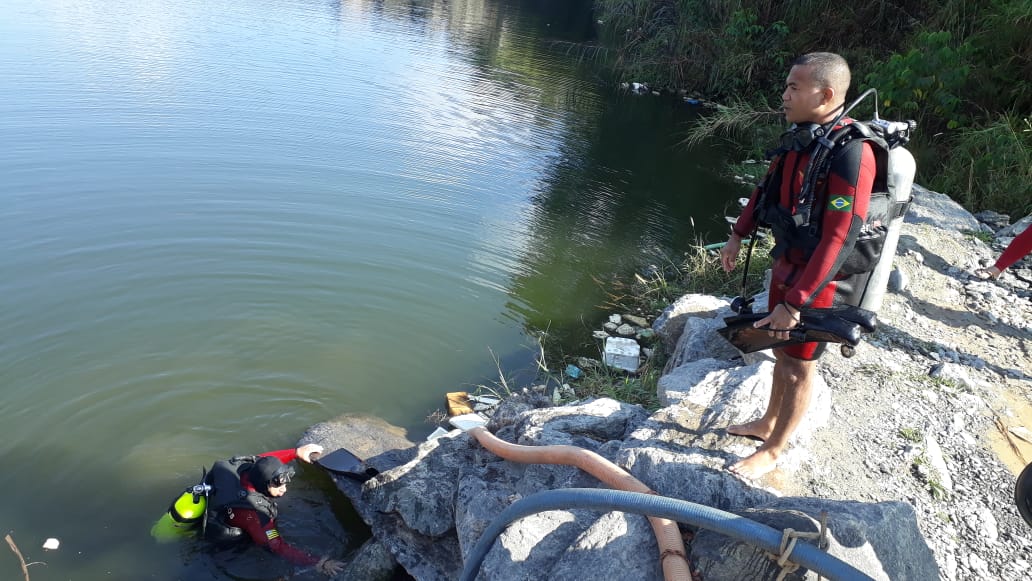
(725, 523)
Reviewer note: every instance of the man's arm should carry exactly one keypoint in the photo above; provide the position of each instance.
(743, 226)
(1020, 246)
(302, 453)
(850, 182)
(268, 536)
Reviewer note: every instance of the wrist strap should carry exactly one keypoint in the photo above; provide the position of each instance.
(796, 315)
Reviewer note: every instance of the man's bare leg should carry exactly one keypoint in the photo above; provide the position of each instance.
(796, 376)
(761, 429)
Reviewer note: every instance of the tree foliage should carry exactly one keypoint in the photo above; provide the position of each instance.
(961, 68)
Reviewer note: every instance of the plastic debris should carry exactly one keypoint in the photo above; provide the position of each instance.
(51, 544)
(573, 371)
(622, 353)
(467, 422)
(437, 434)
(483, 403)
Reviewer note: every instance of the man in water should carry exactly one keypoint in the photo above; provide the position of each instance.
(242, 503)
(805, 271)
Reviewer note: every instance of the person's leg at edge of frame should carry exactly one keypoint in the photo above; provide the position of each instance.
(793, 381)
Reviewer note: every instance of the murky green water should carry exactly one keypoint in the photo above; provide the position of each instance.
(222, 222)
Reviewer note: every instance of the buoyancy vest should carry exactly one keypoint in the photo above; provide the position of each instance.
(228, 492)
(801, 229)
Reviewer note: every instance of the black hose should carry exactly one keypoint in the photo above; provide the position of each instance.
(725, 523)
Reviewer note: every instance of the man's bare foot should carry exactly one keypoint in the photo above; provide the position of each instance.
(761, 462)
(755, 430)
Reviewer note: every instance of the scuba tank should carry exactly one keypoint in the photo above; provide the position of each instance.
(184, 514)
(899, 179)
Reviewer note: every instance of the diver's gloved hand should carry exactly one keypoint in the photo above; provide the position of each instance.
(305, 452)
(329, 567)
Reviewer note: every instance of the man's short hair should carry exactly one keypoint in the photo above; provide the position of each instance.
(828, 70)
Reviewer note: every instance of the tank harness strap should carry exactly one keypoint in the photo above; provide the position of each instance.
(901, 208)
(817, 174)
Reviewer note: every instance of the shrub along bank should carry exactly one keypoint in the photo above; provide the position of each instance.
(961, 68)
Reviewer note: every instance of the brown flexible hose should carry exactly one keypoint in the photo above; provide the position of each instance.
(667, 534)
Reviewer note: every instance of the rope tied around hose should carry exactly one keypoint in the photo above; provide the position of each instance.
(788, 542)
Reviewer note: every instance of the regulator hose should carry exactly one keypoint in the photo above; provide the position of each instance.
(673, 556)
(725, 523)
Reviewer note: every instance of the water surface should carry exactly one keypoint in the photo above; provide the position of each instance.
(222, 222)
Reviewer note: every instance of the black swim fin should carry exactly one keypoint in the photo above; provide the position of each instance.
(345, 463)
(836, 325)
(866, 319)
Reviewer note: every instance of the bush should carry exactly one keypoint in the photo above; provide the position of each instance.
(925, 82)
(990, 166)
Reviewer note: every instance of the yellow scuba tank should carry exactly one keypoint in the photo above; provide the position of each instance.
(183, 515)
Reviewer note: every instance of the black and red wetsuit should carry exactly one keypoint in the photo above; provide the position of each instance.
(813, 281)
(265, 534)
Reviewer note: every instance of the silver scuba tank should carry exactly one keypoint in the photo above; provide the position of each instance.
(901, 169)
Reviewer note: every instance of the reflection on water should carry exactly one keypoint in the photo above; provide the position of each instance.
(224, 222)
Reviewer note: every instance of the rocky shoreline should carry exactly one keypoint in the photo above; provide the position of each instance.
(911, 446)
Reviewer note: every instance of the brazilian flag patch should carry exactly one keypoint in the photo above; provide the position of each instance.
(840, 203)
(272, 534)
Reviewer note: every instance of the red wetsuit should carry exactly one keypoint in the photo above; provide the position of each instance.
(1019, 247)
(812, 281)
(267, 535)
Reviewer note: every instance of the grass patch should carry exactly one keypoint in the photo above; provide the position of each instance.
(986, 237)
(640, 389)
(911, 434)
(698, 271)
(937, 490)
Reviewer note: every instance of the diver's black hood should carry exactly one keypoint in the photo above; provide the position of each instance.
(263, 471)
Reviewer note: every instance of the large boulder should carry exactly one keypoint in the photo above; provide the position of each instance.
(1015, 228)
(700, 340)
(880, 539)
(712, 396)
(670, 323)
(939, 210)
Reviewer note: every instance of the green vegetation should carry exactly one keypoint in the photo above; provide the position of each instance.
(911, 434)
(698, 271)
(640, 389)
(986, 237)
(961, 68)
(924, 469)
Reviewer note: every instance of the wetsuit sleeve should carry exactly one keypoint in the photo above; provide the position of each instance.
(747, 222)
(850, 181)
(268, 536)
(1018, 248)
(284, 456)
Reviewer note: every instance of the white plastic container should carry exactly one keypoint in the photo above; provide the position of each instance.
(622, 353)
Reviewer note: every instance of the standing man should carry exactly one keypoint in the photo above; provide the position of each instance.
(807, 258)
